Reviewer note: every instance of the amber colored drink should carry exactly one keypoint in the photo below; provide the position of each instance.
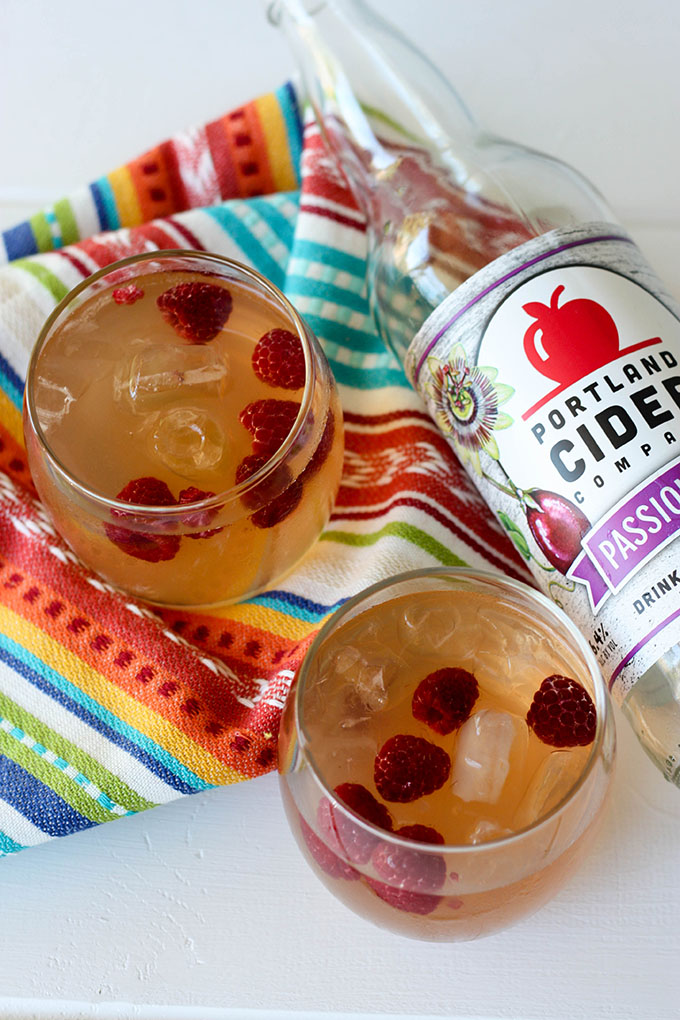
(446, 753)
(181, 460)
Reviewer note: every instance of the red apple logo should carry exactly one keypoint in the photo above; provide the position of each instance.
(570, 341)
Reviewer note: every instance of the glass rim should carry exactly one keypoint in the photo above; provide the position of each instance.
(219, 499)
(601, 698)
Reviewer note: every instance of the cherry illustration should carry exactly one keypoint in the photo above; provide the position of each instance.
(570, 341)
(557, 526)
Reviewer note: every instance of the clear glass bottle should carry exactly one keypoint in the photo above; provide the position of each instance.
(453, 213)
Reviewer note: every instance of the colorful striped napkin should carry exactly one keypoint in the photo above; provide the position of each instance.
(108, 706)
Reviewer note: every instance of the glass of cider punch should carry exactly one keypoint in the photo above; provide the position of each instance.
(183, 428)
(446, 752)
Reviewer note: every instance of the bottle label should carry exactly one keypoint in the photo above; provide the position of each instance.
(555, 373)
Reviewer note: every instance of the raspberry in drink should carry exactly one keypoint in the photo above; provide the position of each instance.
(183, 428)
(446, 753)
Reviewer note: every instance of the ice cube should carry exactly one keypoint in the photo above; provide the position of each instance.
(54, 402)
(188, 441)
(486, 829)
(427, 623)
(552, 780)
(482, 755)
(364, 675)
(153, 373)
(62, 382)
(360, 673)
(510, 680)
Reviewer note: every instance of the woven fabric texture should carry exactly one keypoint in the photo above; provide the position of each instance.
(108, 706)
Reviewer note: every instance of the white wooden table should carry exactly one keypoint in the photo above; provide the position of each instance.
(204, 908)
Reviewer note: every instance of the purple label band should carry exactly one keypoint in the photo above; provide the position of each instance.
(508, 276)
(630, 535)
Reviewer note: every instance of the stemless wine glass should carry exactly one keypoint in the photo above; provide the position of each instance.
(427, 783)
(183, 428)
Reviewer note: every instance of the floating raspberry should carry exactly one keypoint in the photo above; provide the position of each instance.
(363, 803)
(198, 518)
(196, 311)
(275, 497)
(405, 899)
(341, 832)
(323, 449)
(405, 868)
(269, 488)
(411, 876)
(273, 513)
(420, 833)
(127, 295)
(269, 421)
(142, 544)
(325, 858)
(444, 699)
(562, 713)
(279, 360)
(146, 491)
(249, 466)
(408, 767)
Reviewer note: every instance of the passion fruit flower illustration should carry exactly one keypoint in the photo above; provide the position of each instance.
(466, 402)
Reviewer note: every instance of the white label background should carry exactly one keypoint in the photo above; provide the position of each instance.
(638, 316)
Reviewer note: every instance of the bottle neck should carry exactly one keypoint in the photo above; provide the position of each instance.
(441, 197)
(387, 115)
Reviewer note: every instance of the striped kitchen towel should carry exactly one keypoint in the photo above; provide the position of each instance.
(108, 706)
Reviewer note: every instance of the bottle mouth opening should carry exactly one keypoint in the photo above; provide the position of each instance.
(307, 7)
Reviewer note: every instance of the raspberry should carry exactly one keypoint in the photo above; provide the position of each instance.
(127, 295)
(341, 833)
(269, 421)
(420, 833)
(444, 699)
(562, 713)
(322, 450)
(405, 899)
(269, 488)
(273, 513)
(153, 548)
(142, 545)
(248, 467)
(196, 311)
(408, 767)
(411, 876)
(279, 360)
(275, 497)
(198, 518)
(324, 857)
(406, 868)
(363, 803)
(146, 491)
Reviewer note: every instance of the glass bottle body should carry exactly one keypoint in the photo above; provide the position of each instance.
(443, 200)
